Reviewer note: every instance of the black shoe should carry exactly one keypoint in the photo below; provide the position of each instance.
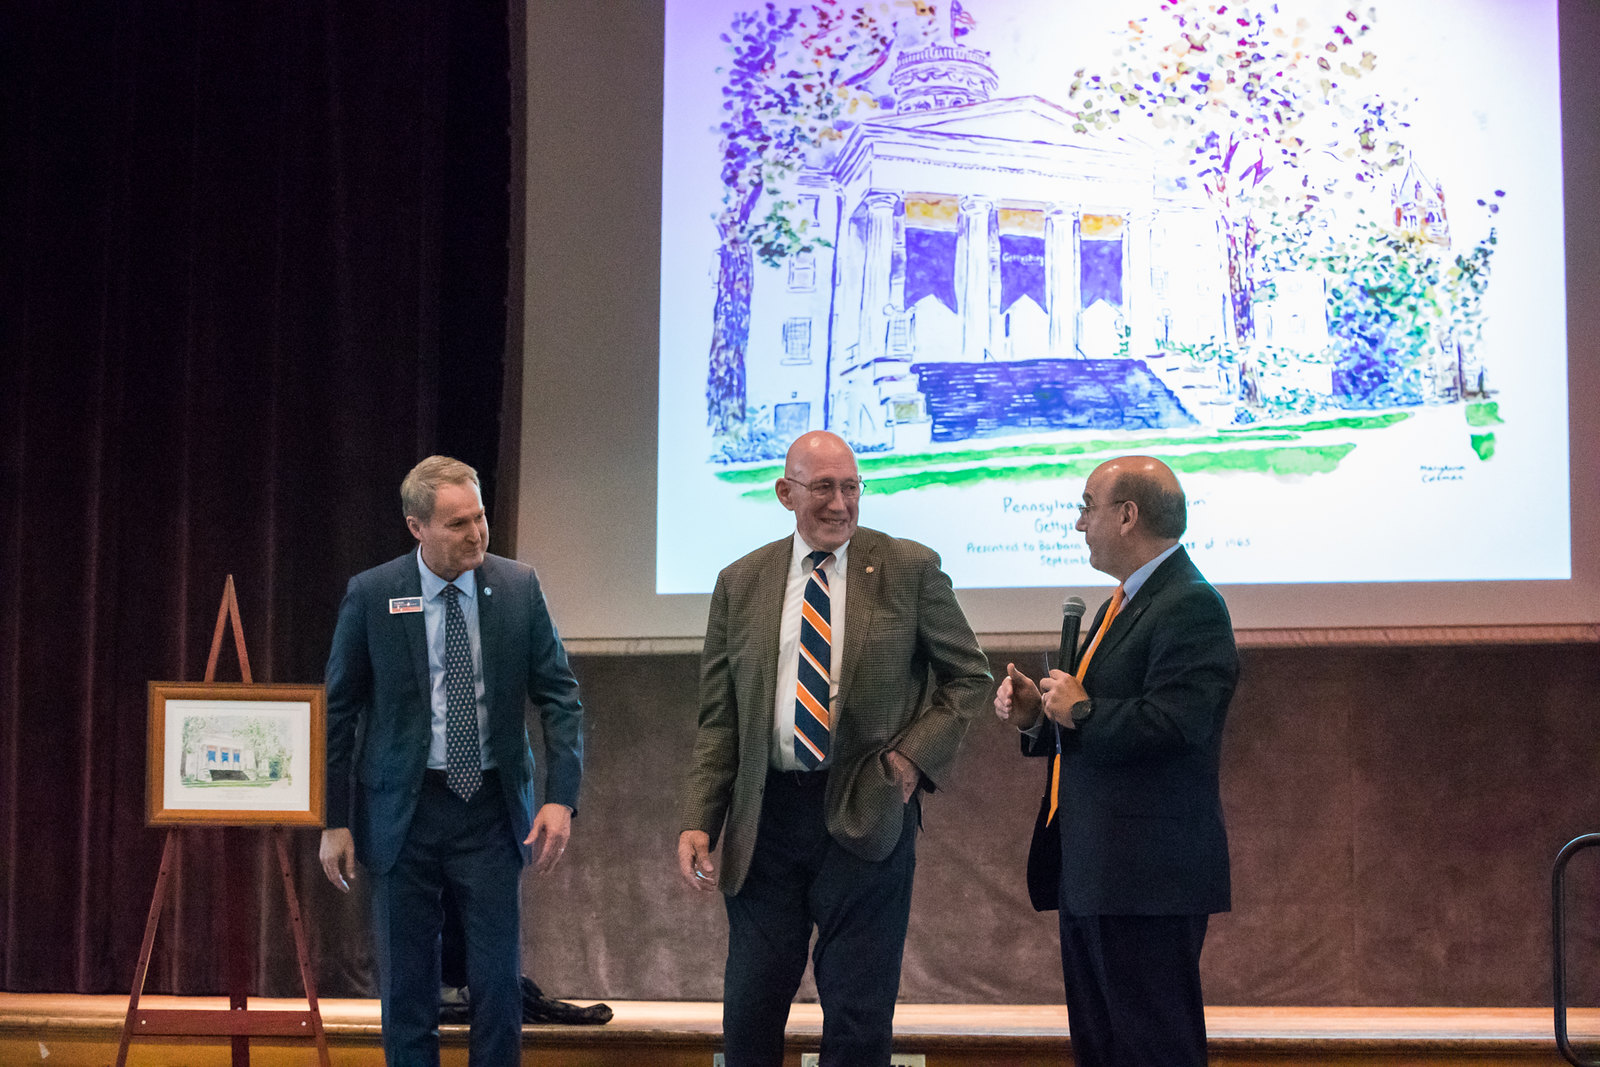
(453, 1006)
(538, 1008)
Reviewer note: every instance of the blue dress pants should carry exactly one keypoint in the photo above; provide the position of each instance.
(466, 845)
(1133, 989)
(801, 879)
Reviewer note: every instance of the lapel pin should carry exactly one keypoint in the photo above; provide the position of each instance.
(870, 568)
(487, 590)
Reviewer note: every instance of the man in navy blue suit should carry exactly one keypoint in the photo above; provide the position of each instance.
(1136, 736)
(430, 771)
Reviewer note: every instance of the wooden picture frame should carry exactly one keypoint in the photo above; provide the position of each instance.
(235, 754)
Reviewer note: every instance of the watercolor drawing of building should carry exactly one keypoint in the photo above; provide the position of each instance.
(251, 749)
(976, 265)
(988, 270)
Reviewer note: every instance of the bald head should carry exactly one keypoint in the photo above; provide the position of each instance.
(1134, 510)
(1150, 483)
(816, 449)
(822, 486)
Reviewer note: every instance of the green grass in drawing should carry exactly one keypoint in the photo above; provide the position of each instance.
(1308, 459)
(1240, 451)
(1352, 422)
(1304, 459)
(964, 476)
(258, 783)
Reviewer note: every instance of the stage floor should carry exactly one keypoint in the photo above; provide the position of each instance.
(83, 1031)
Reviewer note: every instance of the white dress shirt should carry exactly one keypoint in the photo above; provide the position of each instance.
(788, 682)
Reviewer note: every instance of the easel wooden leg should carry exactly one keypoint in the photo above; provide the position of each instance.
(307, 975)
(241, 904)
(157, 901)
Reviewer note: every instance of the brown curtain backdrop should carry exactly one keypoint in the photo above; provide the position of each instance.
(252, 266)
(1392, 816)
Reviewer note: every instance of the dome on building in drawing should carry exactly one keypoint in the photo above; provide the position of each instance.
(940, 76)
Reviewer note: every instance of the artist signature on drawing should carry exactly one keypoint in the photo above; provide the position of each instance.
(1445, 472)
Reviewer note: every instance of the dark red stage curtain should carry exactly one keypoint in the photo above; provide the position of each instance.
(253, 263)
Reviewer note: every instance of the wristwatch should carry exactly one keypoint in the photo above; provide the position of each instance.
(1081, 712)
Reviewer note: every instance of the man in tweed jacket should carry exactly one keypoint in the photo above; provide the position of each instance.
(830, 847)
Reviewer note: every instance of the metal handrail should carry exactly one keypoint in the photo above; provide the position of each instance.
(1558, 930)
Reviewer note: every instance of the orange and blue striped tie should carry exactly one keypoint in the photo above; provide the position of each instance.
(811, 720)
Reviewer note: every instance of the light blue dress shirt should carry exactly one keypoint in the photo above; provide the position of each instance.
(1136, 580)
(433, 608)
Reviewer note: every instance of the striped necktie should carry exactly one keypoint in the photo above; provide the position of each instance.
(463, 760)
(811, 719)
(1083, 669)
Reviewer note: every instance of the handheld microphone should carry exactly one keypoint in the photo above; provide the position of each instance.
(1071, 618)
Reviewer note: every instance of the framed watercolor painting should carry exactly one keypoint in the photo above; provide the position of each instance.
(235, 754)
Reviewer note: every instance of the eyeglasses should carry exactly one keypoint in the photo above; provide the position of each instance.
(825, 489)
(1084, 509)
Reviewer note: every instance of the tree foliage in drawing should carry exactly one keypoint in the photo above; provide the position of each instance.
(795, 82)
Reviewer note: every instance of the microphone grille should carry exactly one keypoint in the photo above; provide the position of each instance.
(1073, 605)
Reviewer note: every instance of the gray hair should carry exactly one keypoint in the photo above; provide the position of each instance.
(1164, 512)
(421, 486)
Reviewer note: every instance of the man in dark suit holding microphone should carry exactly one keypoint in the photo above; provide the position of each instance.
(1135, 798)
(435, 656)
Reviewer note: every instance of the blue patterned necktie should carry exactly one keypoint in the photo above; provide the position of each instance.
(463, 761)
(811, 719)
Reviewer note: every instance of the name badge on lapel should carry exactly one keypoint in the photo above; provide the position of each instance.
(404, 605)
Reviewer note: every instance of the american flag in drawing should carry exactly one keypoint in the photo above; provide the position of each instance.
(961, 21)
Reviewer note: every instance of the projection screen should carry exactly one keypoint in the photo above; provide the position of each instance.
(1313, 256)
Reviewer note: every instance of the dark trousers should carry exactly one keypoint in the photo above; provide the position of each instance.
(468, 847)
(1133, 989)
(799, 878)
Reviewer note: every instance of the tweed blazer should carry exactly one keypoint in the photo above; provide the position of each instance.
(380, 719)
(1140, 805)
(911, 678)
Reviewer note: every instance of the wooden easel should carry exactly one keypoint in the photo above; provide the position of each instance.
(238, 1022)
